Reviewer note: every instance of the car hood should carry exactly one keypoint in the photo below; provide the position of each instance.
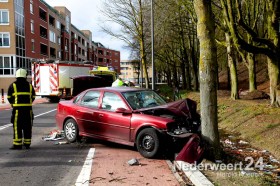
(184, 107)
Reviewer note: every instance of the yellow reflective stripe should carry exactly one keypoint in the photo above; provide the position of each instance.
(9, 96)
(27, 141)
(15, 125)
(22, 105)
(15, 143)
(22, 93)
(30, 92)
(15, 92)
(18, 140)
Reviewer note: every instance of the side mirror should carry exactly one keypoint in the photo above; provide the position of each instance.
(123, 110)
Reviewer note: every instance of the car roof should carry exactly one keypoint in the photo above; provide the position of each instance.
(119, 89)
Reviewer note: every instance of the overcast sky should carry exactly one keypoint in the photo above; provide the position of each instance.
(86, 15)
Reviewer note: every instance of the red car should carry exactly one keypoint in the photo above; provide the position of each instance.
(131, 116)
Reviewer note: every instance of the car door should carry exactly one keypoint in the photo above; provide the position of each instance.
(86, 112)
(114, 125)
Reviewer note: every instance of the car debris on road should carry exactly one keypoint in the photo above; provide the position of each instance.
(54, 136)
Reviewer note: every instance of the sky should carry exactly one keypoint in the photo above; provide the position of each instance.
(87, 15)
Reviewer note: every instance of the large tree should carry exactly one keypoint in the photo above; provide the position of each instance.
(129, 15)
(208, 74)
(268, 45)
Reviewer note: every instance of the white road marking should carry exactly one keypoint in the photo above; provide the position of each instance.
(10, 124)
(44, 113)
(6, 126)
(84, 176)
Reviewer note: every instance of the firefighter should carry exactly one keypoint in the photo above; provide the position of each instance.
(118, 83)
(21, 94)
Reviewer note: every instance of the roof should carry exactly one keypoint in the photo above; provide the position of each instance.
(120, 89)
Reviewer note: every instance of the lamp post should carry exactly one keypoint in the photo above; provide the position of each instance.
(152, 44)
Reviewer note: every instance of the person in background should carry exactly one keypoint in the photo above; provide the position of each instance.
(118, 82)
(21, 94)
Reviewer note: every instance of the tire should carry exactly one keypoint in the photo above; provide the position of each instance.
(148, 143)
(54, 99)
(71, 131)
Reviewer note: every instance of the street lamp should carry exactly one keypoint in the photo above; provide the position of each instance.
(152, 44)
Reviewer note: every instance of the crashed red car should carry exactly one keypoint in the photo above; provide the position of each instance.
(131, 116)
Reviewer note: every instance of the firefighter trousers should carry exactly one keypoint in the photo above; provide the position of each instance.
(22, 120)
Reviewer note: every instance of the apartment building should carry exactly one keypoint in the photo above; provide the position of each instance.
(106, 57)
(31, 30)
(131, 71)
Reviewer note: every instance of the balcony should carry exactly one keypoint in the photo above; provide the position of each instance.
(51, 21)
(52, 53)
(43, 32)
(43, 50)
(42, 15)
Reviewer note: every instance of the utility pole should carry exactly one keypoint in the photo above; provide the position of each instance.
(152, 44)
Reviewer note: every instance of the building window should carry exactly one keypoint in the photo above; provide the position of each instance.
(67, 19)
(32, 26)
(58, 25)
(32, 45)
(4, 17)
(6, 65)
(58, 40)
(52, 36)
(31, 6)
(4, 39)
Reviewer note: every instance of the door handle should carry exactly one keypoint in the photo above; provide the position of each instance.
(100, 115)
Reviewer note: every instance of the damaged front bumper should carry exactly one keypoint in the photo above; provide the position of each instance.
(192, 151)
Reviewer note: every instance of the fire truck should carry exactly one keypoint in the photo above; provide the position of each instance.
(63, 79)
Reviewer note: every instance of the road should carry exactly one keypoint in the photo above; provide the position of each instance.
(49, 164)
(45, 163)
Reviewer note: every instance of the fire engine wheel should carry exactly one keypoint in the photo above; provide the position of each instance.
(148, 143)
(54, 99)
(71, 130)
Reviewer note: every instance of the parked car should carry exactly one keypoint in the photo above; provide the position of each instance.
(131, 116)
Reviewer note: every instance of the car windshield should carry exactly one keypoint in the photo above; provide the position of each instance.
(143, 99)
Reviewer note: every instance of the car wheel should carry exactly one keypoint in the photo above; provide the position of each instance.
(71, 130)
(147, 143)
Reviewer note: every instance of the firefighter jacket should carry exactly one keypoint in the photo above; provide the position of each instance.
(117, 83)
(21, 94)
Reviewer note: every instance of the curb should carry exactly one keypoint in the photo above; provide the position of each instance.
(175, 173)
(194, 175)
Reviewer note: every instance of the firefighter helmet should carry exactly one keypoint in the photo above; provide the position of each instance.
(21, 73)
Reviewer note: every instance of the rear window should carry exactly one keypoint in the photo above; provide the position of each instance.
(90, 99)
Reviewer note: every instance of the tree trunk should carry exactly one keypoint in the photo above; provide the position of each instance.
(208, 75)
(175, 76)
(195, 70)
(273, 71)
(273, 63)
(232, 67)
(184, 81)
(252, 72)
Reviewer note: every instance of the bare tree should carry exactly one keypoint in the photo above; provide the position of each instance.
(129, 14)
